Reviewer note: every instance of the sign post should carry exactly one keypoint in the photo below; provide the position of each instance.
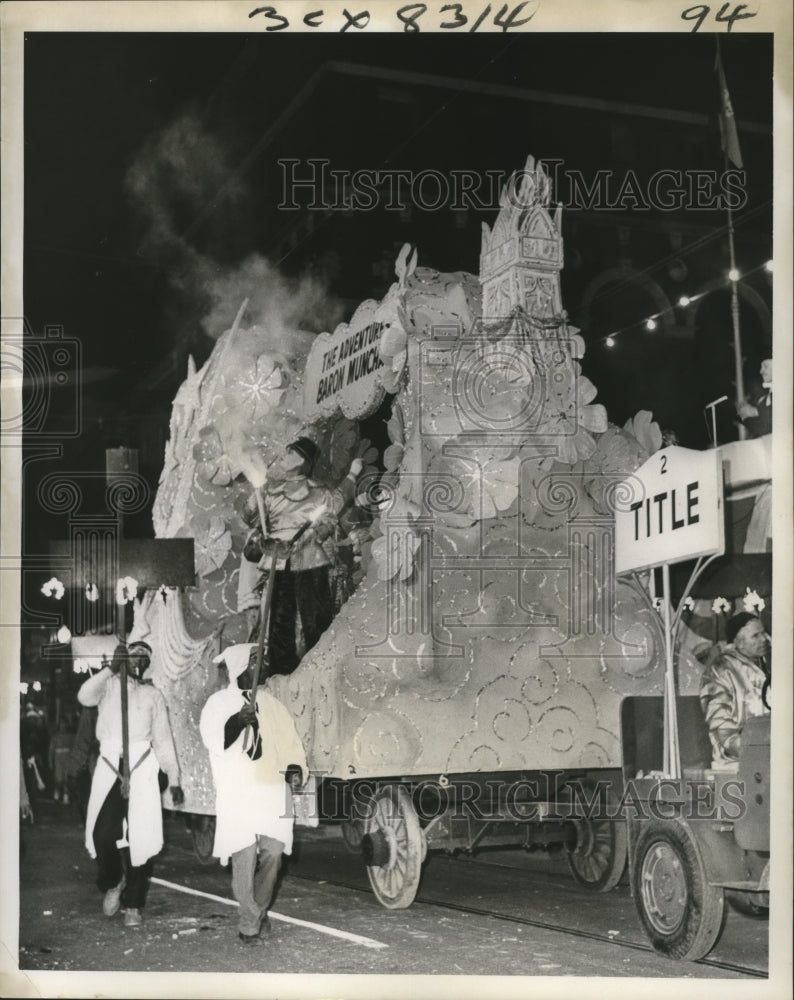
(675, 514)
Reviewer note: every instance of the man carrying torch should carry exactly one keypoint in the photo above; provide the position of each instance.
(297, 515)
(253, 746)
(124, 820)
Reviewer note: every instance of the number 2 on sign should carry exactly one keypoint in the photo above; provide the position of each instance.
(701, 11)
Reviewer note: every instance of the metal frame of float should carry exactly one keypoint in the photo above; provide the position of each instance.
(393, 825)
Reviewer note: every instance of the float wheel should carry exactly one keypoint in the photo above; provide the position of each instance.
(352, 832)
(597, 859)
(393, 847)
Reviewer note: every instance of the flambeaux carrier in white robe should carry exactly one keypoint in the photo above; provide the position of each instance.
(151, 748)
(252, 797)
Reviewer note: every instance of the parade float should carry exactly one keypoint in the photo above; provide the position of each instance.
(487, 635)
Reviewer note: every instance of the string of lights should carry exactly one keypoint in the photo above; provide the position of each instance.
(682, 253)
(651, 322)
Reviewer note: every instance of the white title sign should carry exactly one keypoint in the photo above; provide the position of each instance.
(343, 368)
(674, 510)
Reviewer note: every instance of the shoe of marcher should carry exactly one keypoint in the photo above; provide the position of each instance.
(249, 938)
(112, 901)
(132, 917)
(265, 928)
(65, 799)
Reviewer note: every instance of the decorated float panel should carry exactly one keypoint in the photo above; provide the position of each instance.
(487, 630)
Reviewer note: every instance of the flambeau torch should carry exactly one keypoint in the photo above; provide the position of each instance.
(256, 473)
(267, 593)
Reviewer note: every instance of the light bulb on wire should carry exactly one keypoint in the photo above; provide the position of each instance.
(651, 323)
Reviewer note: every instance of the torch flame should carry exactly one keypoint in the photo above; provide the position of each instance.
(254, 469)
(317, 513)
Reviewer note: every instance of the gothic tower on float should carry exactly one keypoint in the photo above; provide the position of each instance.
(520, 265)
(521, 258)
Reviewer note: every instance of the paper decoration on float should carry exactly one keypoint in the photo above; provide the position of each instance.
(53, 588)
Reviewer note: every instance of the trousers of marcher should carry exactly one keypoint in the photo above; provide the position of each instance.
(254, 873)
(113, 861)
(307, 593)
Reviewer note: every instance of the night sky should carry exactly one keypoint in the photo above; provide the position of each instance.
(94, 101)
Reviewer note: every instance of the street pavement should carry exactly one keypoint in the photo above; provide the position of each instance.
(62, 928)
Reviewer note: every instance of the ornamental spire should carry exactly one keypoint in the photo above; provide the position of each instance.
(522, 256)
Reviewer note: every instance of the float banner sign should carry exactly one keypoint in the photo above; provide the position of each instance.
(674, 511)
(343, 368)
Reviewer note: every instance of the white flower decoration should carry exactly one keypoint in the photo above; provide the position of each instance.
(53, 588)
(213, 542)
(689, 604)
(126, 589)
(658, 604)
(91, 592)
(262, 385)
(753, 603)
(720, 606)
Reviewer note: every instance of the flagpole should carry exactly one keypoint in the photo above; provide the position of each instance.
(737, 333)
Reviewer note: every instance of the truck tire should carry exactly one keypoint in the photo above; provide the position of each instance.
(681, 912)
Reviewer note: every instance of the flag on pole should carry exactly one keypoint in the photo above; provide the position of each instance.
(728, 130)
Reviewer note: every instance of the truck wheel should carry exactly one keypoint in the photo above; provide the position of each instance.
(393, 847)
(202, 833)
(681, 912)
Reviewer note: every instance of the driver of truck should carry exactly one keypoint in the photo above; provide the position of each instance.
(732, 686)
